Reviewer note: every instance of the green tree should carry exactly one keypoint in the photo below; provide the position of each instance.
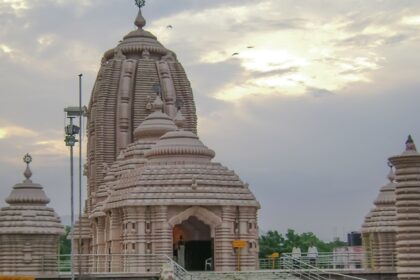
(273, 241)
(65, 243)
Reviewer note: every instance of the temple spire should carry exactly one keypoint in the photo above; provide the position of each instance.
(409, 144)
(140, 22)
(28, 173)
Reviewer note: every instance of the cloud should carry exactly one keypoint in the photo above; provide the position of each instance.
(5, 49)
(319, 92)
(50, 147)
(15, 131)
(13, 6)
(308, 47)
(411, 20)
(46, 143)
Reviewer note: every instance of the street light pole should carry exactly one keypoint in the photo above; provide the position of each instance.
(80, 164)
(72, 204)
(70, 141)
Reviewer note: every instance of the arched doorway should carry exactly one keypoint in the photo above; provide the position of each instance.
(192, 243)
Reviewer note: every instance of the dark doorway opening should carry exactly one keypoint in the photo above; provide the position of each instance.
(193, 244)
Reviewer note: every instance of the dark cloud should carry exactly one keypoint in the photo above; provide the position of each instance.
(318, 92)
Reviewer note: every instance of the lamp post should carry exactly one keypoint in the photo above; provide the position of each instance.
(70, 139)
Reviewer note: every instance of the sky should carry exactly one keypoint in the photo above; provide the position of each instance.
(317, 97)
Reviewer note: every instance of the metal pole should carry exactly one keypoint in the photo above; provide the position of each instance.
(71, 206)
(80, 174)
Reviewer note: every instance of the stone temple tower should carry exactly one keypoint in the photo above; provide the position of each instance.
(29, 230)
(130, 76)
(379, 229)
(407, 171)
(154, 189)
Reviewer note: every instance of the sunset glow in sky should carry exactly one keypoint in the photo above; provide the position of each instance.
(305, 99)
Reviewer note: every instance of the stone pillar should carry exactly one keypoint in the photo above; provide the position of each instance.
(407, 171)
(248, 232)
(100, 245)
(168, 89)
(129, 238)
(124, 105)
(224, 255)
(374, 243)
(367, 246)
(115, 236)
(161, 234)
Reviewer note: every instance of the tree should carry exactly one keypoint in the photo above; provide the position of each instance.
(65, 243)
(273, 241)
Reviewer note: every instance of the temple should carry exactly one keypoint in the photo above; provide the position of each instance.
(153, 188)
(391, 231)
(29, 230)
(379, 230)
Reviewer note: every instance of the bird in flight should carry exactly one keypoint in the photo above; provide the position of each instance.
(236, 53)
(169, 27)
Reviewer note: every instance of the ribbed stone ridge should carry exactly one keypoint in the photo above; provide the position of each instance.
(181, 184)
(407, 192)
(181, 144)
(379, 229)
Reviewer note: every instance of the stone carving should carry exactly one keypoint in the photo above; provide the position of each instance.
(145, 54)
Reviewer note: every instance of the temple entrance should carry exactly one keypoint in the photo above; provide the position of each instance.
(192, 244)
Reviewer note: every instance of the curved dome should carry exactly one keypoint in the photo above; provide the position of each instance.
(179, 145)
(156, 124)
(27, 212)
(146, 134)
(129, 77)
(179, 171)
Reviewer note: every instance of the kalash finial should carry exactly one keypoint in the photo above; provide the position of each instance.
(140, 3)
(409, 144)
(140, 22)
(27, 159)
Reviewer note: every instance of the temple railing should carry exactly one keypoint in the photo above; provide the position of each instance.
(324, 267)
(342, 261)
(96, 264)
(303, 270)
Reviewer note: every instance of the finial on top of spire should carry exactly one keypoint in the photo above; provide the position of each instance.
(140, 3)
(140, 22)
(27, 159)
(409, 144)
